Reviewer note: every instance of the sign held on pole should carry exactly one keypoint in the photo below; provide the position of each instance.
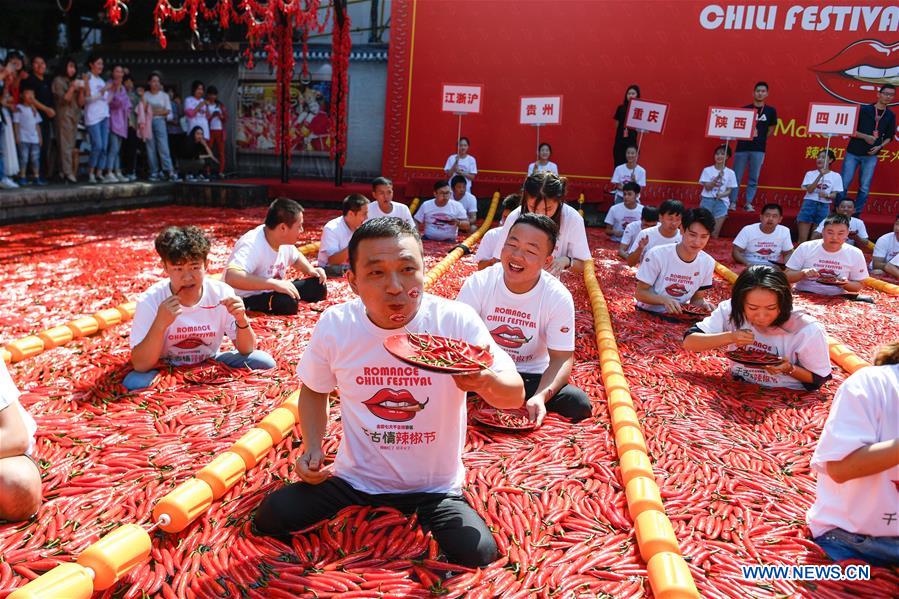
(646, 115)
(832, 119)
(540, 110)
(731, 123)
(462, 99)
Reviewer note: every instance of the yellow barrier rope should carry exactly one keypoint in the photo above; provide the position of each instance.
(414, 205)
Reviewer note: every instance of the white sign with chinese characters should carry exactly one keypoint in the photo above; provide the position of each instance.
(832, 119)
(462, 98)
(644, 115)
(731, 123)
(543, 110)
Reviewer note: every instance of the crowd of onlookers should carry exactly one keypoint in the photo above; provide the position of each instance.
(125, 129)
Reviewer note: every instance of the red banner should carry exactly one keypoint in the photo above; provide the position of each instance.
(692, 55)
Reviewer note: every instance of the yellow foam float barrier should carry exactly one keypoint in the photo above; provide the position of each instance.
(882, 286)
(108, 318)
(414, 205)
(183, 505)
(83, 327)
(7, 357)
(56, 336)
(643, 495)
(580, 205)
(278, 423)
(670, 577)
(222, 473)
(72, 581)
(630, 437)
(116, 554)
(25, 347)
(655, 534)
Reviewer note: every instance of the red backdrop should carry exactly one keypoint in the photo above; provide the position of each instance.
(687, 53)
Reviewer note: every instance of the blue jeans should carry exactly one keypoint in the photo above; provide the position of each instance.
(256, 360)
(99, 134)
(851, 163)
(755, 160)
(114, 153)
(33, 151)
(159, 142)
(717, 207)
(839, 545)
(813, 211)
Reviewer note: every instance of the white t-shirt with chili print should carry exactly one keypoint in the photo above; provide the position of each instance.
(469, 202)
(403, 427)
(670, 276)
(487, 246)
(572, 240)
(801, 340)
(196, 334)
(655, 239)
(254, 255)
(466, 165)
(728, 181)
(759, 247)
(526, 325)
(336, 235)
(846, 263)
(549, 167)
(630, 232)
(828, 184)
(438, 219)
(9, 399)
(620, 216)
(865, 410)
(622, 174)
(398, 210)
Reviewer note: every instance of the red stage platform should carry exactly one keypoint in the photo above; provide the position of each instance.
(312, 190)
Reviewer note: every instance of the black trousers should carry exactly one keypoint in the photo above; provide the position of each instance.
(311, 290)
(129, 152)
(459, 530)
(570, 402)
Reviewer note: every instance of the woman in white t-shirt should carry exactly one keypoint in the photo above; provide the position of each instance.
(760, 316)
(717, 182)
(462, 163)
(821, 186)
(196, 109)
(857, 461)
(544, 193)
(20, 480)
(543, 164)
(158, 154)
(628, 172)
(96, 117)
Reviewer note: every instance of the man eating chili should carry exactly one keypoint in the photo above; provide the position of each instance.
(403, 427)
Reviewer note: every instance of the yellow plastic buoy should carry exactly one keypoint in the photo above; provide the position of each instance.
(71, 581)
(180, 507)
(252, 446)
(7, 357)
(619, 397)
(116, 554)
(670, 577)
(634, 463)
(292, 403)
(655, 534)
(108, 318)
(642, 495)
(222, 473)
(278, 424)
(628, 438)
(624, 416)
(56, 336)
(127, 310)
(83, 327)
(25, 347)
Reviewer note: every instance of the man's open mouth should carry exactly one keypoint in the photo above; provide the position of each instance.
(860, 69)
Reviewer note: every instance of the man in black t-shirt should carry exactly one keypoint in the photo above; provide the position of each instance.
(752, 152)
(44, 102)
(876, 128)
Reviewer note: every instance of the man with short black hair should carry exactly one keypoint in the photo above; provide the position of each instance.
(441, 217)
(829, 258)
(876, 128)
(262, 257)
(886, 248)
(530, 314)
(628, 211)
(649, 217)
(45, 104)
(858, 233)
(336, 234)
(766, 241)
(459, 185)
(751, 152)
(382, 192)
(676, 274)
(403, 427)
(667, 231)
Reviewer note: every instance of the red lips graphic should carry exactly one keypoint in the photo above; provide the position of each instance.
(857, 71)
(509, 337)
(394, 406)
(190, 343)
(676, 290)
(825, 273)
(765, 252)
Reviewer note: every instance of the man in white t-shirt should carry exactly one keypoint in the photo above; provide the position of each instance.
(764, 242)
(530, 314)
(621, 215)
(886, 248)
(892, 268)
(828, 258)
(858, 232)
(382, 192)
(182, 320)
(629, 172)
(487, 246)
(459, 185)
(717, 182)
(20, 479)
(857, 461)
(462, 163)
(442, 217)
(668, 231)
(262, 257)
(403, 426)
(676, 274)
(336, 234)
(649, 217)
(821, 186)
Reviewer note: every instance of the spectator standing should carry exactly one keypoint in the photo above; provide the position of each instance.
(624, 137)
(218, 116)
(96, 117)
(876, 127)
(543, 163)
(158, 154)
(196, 109)
(462, 163)
(38, 82)
(119, 109)
(175, 128)
(27, 120)
(132, 142)
(68, 92)
(751, 152)
(7, 138)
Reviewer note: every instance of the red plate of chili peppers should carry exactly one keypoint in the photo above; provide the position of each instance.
(829, 280)
(754, 357)
(504, 420)
(439, 354)
(693, 312)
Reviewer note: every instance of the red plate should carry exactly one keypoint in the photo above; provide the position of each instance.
(407, 350)
(691, 312)
(753, 357)
(504, 420)
(831, 281)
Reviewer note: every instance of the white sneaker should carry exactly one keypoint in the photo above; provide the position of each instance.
(92, 178)
(122, 178)
(7, 183)
(110, 178)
